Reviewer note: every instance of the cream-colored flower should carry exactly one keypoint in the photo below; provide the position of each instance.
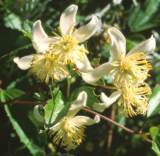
(54, 53)
(133, 99)
(69, 131)
(132, 67)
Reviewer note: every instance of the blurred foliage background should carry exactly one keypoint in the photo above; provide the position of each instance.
(19, 132)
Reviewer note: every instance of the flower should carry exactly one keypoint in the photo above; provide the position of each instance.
(129, 72)
(132, 67)
(54, 53)
(133, 99)
(69, 131)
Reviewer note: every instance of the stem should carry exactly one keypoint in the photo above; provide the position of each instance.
(128, 130)
(109, 120)
(50, 88)
(105, 87)
(110, 132)
(68, 86)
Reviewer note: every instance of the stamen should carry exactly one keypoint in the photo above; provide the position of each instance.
(132, 68)
(69, 133)
(68, 49)
(134, 99)
(48, 66)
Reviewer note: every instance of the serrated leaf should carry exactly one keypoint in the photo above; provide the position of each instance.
(154, 102)
(13, 21)
(142, 18)
(53, 107)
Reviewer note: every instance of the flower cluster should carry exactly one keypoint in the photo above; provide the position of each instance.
(55, 53)
(128, 71)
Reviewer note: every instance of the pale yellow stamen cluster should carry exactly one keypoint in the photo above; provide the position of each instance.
(68, 134)
(131, 69)
(47, 66)
(129, 75)
(134, 99)
(67, 49)
(53, 63)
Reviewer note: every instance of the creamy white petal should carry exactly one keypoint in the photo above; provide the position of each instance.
(85, 32)
(146, 46)
(94, 75)
(107, 101)
(79, 103)
(84, 120)
(23, 62)
(38, 116)
(40, 39)
(84, 64)
(68, 19)
(118, 43)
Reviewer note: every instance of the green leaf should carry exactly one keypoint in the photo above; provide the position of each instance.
(53, 107)
(154, 132)
(142, 18)
(33, 149)
(155, 135)
(15, 22)
(155, 148)
(10, 94)
(154, 102)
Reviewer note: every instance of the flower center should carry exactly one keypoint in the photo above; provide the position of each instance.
(48, 66)
(69, 134)
(66, 43)
(125, 65)
(132, 68)
(67, 49)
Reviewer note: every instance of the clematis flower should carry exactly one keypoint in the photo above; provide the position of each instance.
(132, 67)
(54, 53)
(129, 71)
(133, 99)
(69, 131)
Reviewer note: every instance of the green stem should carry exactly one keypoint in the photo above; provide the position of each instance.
(68, 86)
(51, 93)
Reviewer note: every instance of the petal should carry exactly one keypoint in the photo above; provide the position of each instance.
(85, 32)
(37, 114)
(94, 75)
(40, 39)
(84, 64)
(147, 46)
(79, 103)
(118, 43)
(84, 120)
(24, 62)
(107, 101)
(68, 19)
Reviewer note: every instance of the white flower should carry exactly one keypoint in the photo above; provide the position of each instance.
(124, 68)
(117, 2)
(69, 131)
(54, 53)
(133, 99)
(106, 101)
